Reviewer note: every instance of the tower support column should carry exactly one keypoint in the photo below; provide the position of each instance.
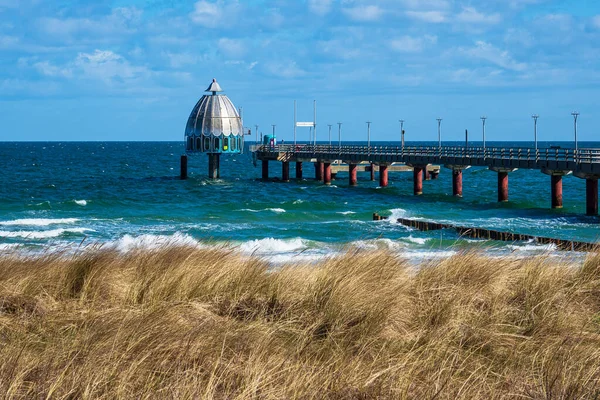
(372, 171)
(353, 179)
(214, 165)
(383, 175)
(265, 170)
(327, 173)
(591, 196)
(299, 170)
(285, 171)
(184, 167)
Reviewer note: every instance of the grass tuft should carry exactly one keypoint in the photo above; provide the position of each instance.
(180, 322)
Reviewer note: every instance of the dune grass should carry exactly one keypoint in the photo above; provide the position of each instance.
(190, 323)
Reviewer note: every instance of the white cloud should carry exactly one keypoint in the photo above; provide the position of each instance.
(217, 14)
(120, 21)
(408, 44)
(364, 13)
(286, 70)
(427, 16)
(232, 48)
(471, 15)
(320, 7)
(488, 52)
(47, 69)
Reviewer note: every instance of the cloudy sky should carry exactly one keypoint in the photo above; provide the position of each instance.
(133, 69)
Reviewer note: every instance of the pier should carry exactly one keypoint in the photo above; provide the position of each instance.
(553, 162)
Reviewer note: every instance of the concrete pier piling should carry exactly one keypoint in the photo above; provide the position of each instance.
(372, 171)
(265, 170)
(183, 172)
(457, 182)
(319, 171)
(214, 165)
(502, 186)
(285, 171)
(299, 170)
(418, 180)
(327, 173)
(353, 176)
(556, 191)
(383, 175)
(591, 196)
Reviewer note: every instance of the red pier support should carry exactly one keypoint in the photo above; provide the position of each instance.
(502, 186)
(265, 170)
(457, 182)
(299, 170)
(591, 196)
(383, 175)
(353, 179)
(418, 180)
(319, 171)
(327, 173)
(557, 191)
(285, 171)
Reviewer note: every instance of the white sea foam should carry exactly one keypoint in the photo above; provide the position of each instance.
(298, 201)
(417, 240)
(532, 247)
(128, 242)
(81, 202)
(39, 221)
(397, 213)
(41, 234)
(346, 212)
(275, 210)
(271, 245)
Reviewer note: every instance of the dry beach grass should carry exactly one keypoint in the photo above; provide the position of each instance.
(208, 323)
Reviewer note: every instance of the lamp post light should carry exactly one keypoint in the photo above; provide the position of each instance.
(575, 114)
(483, 130)
(439, 120)
(329, 134)
(402, 133)
(535, 118)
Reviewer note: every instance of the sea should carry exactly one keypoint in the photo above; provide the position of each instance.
(59, 196)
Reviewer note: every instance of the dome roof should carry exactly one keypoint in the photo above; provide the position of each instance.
(214, 115)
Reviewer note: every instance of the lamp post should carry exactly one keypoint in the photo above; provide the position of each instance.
(369, 135)
(329, 134)
(483, 130)
(256, 130)
(439, 120)
(535, 118)
(402, 133)
(575, 114)
(339, 134)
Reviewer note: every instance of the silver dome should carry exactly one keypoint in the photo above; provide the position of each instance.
(214, 115)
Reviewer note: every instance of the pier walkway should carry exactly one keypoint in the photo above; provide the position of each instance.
(556, 162)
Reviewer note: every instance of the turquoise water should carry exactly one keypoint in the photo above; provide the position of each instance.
(128, 195)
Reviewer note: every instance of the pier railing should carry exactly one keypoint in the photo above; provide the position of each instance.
(589, 156)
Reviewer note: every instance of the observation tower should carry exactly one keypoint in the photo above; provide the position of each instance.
(214, 127)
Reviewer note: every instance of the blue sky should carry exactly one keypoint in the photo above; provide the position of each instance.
(133, 69)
